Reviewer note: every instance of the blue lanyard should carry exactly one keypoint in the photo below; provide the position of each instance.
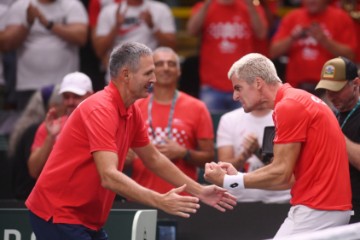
(171, 115)
(350, 113)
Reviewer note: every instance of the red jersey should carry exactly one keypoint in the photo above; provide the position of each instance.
(69, 188)
(41, 134)
(226, 36)
(306, 55)
(191, 122)
(321, 172)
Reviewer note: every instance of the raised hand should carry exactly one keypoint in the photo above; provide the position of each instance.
(31, 14)
(147, 18)
(175, 204)
(53, 122)
(317, 32)
(120, 16)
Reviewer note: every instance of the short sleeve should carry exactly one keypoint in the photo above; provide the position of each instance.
(40, 137)
(196, 7)
(224, 132)
(141, 137)
(106, 20)
(77, 13)
(3, 16)
(101, 128)
(291, 122)
(17, 13)
(285, 28)
(346, 35)
(164, 20)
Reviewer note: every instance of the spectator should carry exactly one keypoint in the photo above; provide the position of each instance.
(309, 36)
(239, 136)
(34, 113)
(228, 30)
(145, 21)
(23, 135)
(340, 79)
(74, 88)
(178, 124)
(46, 35)
(309, 150)
(99, 133)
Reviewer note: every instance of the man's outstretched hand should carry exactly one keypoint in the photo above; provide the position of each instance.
(217, 197)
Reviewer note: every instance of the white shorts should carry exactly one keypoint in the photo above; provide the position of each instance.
(302, 219)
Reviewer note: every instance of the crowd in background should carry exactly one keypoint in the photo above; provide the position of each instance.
(41, 41)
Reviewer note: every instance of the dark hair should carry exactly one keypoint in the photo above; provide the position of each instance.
(351, 70)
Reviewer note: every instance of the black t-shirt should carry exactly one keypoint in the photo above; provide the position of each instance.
(351, 130)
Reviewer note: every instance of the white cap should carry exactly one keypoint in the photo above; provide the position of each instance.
(76, 82)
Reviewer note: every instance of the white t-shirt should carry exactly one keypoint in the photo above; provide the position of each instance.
(134, 29)
(45, 58)
(232, 129)
(3, 9)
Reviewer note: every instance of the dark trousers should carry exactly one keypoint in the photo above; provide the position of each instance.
(58, 231)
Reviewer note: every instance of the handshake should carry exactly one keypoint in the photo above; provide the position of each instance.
(224, 175)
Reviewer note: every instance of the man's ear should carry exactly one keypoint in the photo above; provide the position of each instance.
(259, 82)
(124, 74)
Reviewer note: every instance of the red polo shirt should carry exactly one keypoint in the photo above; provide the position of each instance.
(69, 188)
(322, 169)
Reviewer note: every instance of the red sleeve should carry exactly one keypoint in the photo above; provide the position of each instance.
(141, 137)
(94, 10)
(291, 122)
(101, 127)
(345, 35)
(40, 136)
(285, 28)
(196, 7)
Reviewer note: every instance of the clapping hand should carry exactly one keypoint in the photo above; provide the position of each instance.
(53, 122)
(171, 149)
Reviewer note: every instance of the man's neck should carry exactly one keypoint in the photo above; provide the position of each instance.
(126, 96)
(269, 95)
(164, 95)
(352, 103)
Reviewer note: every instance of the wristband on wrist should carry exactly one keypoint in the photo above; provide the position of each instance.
(50, 25)
(234, 182)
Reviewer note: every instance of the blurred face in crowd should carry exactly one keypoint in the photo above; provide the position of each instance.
(72, 100)
(345, 99)
(247, 94)
(141, 80)
(167, 68)
(314, 6)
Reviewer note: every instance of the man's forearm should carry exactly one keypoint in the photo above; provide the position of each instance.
(195, 23)
(173, 175)
(39, 156)
(337, 49)
(73, 33)
(166, 39)
(258, 26)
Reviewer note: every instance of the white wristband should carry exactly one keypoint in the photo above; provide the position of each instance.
(234, 182)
